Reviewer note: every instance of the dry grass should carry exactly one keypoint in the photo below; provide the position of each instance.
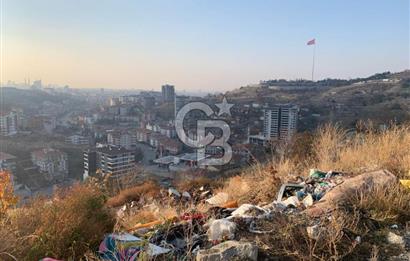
(261, 182)
(330, 148)
(386, 205)
(360, 217)
(290, 240)
(364, 152)
(368, 215)
(74, 221)
(149, 189)
(195, 184)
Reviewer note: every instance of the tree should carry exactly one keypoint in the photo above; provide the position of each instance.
(7, 197)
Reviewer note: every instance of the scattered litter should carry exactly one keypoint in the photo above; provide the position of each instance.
(317, 174)
(173, 192)
(154, 250)
(308, 201)
(126, 247)
(405, 183)
(350, 186)
(288, 189)
(252, 229)
(221, 229)
(229, 250)
(393, 238)
(205, 193)
(314, 232)
(249, 211)
(312, 195)
(219, 199)
(186, 195)
(120, 213)
(394, 226)
(191, 216)
(291, 201)
(153, 223)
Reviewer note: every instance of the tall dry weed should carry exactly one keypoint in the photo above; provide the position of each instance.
(361, 152)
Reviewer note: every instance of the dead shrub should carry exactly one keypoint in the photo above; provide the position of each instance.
(260, 183)
(386, 205)
(74, 221)
(149, 189)
(361, 152)
(290, 240)
(194, 184)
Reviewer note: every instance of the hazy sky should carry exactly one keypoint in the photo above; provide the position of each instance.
(208, 45)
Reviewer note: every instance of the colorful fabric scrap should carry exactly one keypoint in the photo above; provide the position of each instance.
(120, 247)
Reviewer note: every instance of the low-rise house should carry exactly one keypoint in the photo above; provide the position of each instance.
(168, 131)
(77, 140)
(8, 123)
(51, 162)
(143, 135)
(122, 138)
(169, 146)
(7, 162)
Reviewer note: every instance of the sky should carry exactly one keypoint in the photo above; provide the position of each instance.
(202, 45)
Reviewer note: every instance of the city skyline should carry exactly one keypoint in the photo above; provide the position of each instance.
(216, 46)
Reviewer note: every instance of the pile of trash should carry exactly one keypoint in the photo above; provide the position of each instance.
(310, 190)
(213, 234)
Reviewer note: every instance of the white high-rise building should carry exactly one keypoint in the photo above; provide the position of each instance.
(8, 123)
(280, 122)
(168, 93)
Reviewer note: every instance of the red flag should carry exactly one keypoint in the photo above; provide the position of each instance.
(312, 42)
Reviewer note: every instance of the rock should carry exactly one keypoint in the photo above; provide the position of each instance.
(249, 211)
(349, 187)
(221, 229)
(229, 250)
(218, 199)
(393, 238)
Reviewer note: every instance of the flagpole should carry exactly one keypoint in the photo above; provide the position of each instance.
(313, 62)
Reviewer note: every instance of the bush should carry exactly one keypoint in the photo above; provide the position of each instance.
(363, 152)
(7, 197)
(147, 189)
(195, 184)
(67, 226)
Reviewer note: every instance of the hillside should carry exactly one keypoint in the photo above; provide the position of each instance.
(354, 209)
(32, 99)
(381, 98)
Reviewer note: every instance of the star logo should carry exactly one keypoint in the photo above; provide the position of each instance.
(224, 107)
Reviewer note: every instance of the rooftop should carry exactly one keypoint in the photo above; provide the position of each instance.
(6, 156)
(113, 150)
(167, 160)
